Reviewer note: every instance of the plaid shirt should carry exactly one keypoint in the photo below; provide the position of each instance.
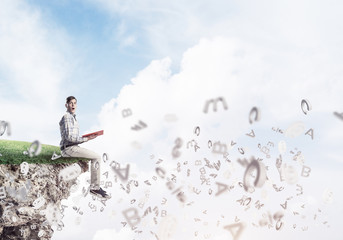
(69, 129)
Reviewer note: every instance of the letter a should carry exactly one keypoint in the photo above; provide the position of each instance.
(235, 233)
(221, 188)
(251, 134)
(118, 171)
(311, 133)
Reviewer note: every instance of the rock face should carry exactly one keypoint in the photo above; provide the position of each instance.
(30, 197)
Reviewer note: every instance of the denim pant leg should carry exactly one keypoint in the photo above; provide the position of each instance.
(76, 151)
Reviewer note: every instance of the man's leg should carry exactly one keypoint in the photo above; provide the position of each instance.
(76, 151)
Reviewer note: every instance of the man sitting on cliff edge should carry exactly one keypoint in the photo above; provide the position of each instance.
(69, 129)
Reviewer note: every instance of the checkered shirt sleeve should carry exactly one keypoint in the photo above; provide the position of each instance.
(69, 129)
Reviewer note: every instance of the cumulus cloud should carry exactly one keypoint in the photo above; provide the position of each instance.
(243, 76)
(271, 63)
(170, 27)
(31, 59)
(33, 66)
(215, 68)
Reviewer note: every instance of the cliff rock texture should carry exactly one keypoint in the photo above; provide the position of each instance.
(30, 197)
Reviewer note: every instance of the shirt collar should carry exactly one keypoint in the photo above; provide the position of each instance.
(73, 114)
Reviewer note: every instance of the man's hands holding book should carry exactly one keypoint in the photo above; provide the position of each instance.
(93, 135)
(90, 137)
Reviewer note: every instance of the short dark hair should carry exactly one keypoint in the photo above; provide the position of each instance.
(71, 98)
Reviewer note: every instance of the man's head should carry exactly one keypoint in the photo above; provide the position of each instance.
(71, 104)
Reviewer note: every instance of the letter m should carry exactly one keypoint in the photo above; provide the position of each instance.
(214, 102)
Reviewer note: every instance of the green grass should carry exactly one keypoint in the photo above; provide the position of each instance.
(12, 153)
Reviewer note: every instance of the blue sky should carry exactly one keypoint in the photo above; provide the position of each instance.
(164, 60)
(92, 35)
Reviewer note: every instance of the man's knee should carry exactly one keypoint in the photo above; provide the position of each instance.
(90, 154)
(96, 158)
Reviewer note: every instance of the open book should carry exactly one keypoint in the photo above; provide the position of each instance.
(98, 133)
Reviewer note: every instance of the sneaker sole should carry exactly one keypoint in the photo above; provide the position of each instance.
(99, 195)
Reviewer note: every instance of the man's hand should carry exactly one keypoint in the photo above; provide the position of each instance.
(91, 137)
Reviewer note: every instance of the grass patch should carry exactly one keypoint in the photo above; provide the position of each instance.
(13, 153)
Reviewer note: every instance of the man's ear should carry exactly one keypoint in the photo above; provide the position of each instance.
(66, 105)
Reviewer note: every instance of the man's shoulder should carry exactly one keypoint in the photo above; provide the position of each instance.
(66, 116)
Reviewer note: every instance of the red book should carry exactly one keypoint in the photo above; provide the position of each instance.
(98, 133)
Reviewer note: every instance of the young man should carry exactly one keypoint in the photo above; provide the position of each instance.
(69, 128)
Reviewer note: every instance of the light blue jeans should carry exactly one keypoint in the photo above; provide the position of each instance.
(76, 151)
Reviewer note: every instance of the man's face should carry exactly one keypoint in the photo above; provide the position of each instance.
(71, 106)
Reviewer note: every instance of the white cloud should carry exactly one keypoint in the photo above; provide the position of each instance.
(173, 26)
(245, 77)
(270, 62)
(30, 56)
(221, 67)
(125, 38)
(112, 234)
(34, 63)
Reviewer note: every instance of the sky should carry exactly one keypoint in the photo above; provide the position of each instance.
(144, 71)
